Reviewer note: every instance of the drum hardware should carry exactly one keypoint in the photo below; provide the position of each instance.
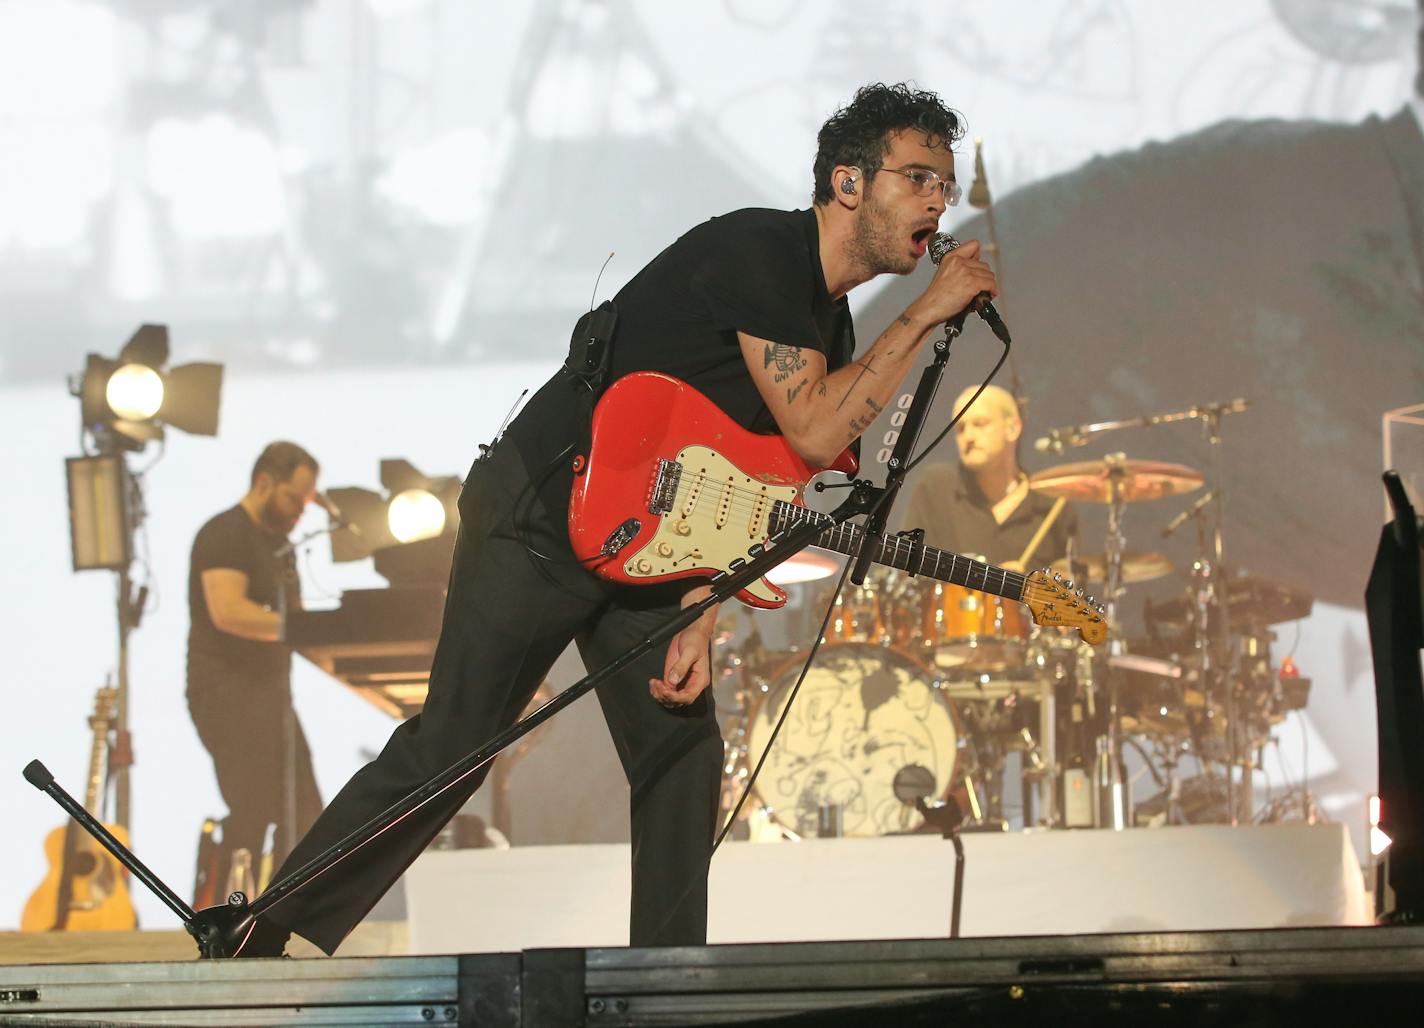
(1059, 439)
(1147, 665)
(1115, 481)
(1136, 567)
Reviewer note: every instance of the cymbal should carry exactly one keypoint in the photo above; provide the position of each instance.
(1136, 567)
(1253, 602)
(1092, 480)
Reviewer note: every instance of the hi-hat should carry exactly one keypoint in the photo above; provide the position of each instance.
(1136, 567)
(1094, 481)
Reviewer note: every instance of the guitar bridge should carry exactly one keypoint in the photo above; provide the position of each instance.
(665, 485)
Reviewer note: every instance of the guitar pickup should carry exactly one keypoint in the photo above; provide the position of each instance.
(620, 537)
(665, 483)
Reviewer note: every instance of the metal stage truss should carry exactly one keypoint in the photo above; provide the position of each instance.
(1283, 976)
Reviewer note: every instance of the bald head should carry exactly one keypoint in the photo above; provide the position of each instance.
(988, 432)
(994, 398)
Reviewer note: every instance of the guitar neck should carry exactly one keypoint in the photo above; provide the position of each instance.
(901, 552)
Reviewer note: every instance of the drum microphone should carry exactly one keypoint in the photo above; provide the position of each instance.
(941, 244)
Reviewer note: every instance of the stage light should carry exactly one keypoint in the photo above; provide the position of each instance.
(126, 402)
(415, 514)
(409, 527)
(134, 392)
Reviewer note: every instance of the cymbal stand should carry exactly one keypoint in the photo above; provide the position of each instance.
(1214, 635)
(1112, 783)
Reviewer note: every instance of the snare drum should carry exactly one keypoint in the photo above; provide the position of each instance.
(863, 713)
(964, 628)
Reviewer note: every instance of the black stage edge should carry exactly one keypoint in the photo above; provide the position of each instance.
(1280, 977)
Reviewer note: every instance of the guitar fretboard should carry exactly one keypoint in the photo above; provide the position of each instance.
(902, 552)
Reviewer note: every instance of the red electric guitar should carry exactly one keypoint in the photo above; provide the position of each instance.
(673, 488)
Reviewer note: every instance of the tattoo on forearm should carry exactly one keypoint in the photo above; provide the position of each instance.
(791, 394)
(864, 370)
(788, 360)
(821, 389)
(864, 421)
(903, 319)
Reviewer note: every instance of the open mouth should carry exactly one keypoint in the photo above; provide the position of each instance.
(920, 239)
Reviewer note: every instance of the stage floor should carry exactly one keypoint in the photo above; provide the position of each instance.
(1282, 977)
(1195, 878)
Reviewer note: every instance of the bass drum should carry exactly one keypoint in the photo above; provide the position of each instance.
(863, 713)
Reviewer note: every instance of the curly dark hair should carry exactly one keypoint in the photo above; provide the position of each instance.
(858, 133)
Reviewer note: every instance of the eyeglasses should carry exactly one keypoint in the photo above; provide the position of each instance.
(925, 182)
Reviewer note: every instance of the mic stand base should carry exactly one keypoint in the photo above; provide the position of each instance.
(947, 817)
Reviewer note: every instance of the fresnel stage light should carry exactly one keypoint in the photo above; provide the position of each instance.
(409, 527)
(126, 402)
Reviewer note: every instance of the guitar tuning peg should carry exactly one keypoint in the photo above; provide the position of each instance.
(1057, 576)
(1068, 585)
(1080, 594)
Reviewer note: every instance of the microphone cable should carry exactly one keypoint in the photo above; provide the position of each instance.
(831, 606)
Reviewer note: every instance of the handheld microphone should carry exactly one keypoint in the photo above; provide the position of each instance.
(941, 244)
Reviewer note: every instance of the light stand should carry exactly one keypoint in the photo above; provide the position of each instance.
(123, 405)
(106, 511)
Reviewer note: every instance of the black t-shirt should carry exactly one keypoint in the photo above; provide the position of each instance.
(233, 540)
(948, 504)
(756, 271)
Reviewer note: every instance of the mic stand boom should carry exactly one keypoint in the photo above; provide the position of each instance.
(220, 929)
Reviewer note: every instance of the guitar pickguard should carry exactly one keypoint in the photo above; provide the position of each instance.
(717, 515)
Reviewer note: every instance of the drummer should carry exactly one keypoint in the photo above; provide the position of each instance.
(984, 507)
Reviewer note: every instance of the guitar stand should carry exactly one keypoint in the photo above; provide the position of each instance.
(221, 930)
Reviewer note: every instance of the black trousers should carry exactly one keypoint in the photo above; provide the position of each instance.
(508, 616)
(252, 733)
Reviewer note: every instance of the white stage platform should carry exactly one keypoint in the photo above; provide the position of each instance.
(1068, 882)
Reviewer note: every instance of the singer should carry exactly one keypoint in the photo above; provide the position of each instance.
(749, 308)
(239, 672)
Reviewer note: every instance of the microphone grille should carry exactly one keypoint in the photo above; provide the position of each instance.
(940, 244)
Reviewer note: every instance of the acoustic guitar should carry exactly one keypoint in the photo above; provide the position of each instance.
(85, 889)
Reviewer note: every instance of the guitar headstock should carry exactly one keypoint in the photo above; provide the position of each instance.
(1055, 603)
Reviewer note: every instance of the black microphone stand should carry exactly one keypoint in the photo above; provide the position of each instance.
(220, 930)
(899, 464)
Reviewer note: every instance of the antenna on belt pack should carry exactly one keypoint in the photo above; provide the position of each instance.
(591, 346)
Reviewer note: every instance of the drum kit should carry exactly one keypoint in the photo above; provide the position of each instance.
(928, 673)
